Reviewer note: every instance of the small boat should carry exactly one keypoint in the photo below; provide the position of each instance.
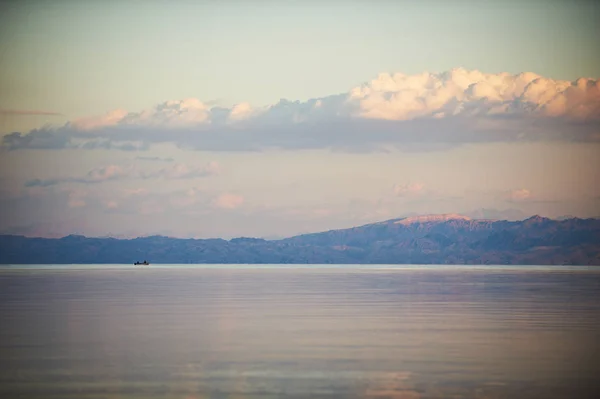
(144, 263)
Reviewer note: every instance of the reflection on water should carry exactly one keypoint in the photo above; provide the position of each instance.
(288, 332)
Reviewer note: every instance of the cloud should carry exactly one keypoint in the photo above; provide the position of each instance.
(102, 144)
(43, 138)
(520, 195)
(188, 112)
(110, 172)
(403, 190)
(463, 92)
(242, 111)
(76, 198)
(133, 192)
(182, 171)
(526, 196)
(42, 183)
(192, 196)
(414, 112)
(28, 112)
(97, 175)
(117, 172)
(154, 159)
(94, 122)
(111, 204)
(228, 201)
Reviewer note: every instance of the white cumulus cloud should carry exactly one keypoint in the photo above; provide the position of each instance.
(399, 97)
(460, 91)
(426, 110)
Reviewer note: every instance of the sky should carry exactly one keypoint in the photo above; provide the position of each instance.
(269, 119)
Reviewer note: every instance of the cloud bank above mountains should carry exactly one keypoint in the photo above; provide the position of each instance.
(118, 172)
(423, 111)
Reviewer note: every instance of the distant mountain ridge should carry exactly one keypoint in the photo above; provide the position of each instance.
(425, 239)
(431, 218)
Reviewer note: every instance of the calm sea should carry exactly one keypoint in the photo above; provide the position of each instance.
(223, 331)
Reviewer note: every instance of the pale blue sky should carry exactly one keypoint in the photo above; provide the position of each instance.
(297, 167)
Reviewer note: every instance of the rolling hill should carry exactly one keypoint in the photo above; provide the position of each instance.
(428, 239)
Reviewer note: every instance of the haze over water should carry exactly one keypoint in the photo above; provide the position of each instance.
(295, 332)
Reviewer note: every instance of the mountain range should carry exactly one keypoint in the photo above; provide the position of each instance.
(427, 239)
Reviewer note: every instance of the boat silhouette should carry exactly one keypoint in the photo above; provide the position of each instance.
(145, 263)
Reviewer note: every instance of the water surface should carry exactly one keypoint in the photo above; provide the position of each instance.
(252, 331)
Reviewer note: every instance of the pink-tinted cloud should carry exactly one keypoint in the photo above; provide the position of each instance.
(111, 118)
(526, 196)
(132, 192)
(408, 189)
(242, 111)
(111, 204)
(190, 111)
(228, 201)
(190, 197)
(76, 198)
(519, 195)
